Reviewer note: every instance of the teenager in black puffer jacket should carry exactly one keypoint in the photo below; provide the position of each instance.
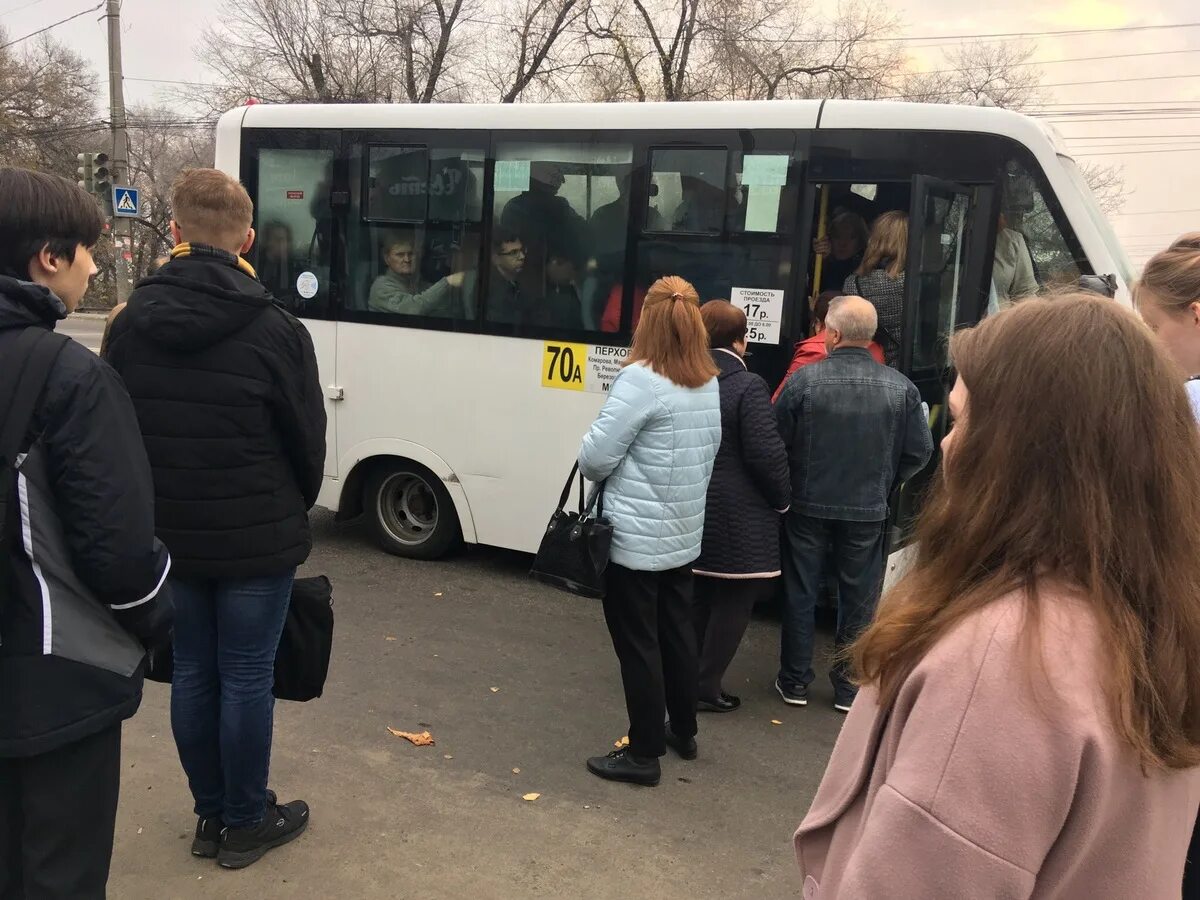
(750, 489)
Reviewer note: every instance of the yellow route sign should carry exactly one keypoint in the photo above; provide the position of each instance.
(562, 365)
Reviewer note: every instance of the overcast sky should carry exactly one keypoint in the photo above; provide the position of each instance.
(160, 38)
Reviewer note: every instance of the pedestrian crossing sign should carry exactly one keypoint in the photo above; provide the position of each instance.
(125, 201)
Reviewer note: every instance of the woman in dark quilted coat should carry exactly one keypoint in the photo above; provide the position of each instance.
(750, 489)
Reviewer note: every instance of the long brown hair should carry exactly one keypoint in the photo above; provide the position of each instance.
(670, 336)
(1078, 460)
(1173, 275)
(888, 245)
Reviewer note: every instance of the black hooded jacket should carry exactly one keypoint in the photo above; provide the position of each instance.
(88, 585)
(226, 390)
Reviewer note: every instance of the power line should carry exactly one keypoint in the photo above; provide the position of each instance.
(96, 8)
(20, 8)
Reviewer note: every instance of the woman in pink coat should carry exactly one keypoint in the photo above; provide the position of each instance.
(1029, 724)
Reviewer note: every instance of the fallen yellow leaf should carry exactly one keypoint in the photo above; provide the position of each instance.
(776, 722)
(516, 771)
(495, 690)
(437, 595)
(622, 743)
(389, 638)
(531, 797)
(424, 739)
(447, 756)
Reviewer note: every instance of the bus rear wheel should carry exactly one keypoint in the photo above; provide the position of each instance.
(410, 512)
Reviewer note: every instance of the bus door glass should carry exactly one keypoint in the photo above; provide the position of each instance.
(290, 175)
(939, 291)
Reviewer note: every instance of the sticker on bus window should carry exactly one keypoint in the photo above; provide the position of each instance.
(764, 313)
(765, 170)
(306, 285)
(511, 175)
(581, 367)
(762, 207)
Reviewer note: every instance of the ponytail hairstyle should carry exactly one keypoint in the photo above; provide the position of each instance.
(1172, 276)
(670, 337)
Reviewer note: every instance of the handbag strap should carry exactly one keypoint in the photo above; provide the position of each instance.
(566, 491)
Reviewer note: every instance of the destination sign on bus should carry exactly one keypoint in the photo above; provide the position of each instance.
(581, 367)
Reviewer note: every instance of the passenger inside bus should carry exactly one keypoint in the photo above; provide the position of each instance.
(277, 264)
(1012, 270)
(400, 288)
(842, 249)
(506, 301)
(560, 307)
(539, 214)
(880, 278)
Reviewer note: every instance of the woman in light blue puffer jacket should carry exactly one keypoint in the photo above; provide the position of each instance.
(653, 444)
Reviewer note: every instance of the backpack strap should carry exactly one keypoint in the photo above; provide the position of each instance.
(25, 373)
(23, 376)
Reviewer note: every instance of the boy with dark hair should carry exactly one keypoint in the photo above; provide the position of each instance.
(225, 386)
(81, 574)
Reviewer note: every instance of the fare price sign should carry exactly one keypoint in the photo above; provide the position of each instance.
(581, 367)
(764, 313)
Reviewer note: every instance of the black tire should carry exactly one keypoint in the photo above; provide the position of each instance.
(410, 511)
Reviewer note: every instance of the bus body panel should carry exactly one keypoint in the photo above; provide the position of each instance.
(471, 407)
(511, 460)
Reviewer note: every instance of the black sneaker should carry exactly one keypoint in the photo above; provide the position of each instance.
(242, 846)
(208, 833)
(797, 696)
(843, 702)
(621, 765)
(685, 747)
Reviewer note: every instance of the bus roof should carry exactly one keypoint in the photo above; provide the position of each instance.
(867, 114)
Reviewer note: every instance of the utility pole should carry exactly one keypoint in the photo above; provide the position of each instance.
(122, 229)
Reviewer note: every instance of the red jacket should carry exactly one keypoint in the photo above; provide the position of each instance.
(611, 319)
(813, 350)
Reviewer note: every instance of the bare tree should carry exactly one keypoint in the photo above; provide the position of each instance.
(997, 74)
(288, 51)
(47, 106)
(535, 51)
(425, 35)
(654, 40)
(1108, 185)
(771, 49)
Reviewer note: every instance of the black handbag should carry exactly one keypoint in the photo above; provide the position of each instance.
(302, 658)
(574, 550)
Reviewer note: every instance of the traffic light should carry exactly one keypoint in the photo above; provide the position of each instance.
(87, 171)
(102, 181)
(95, 177)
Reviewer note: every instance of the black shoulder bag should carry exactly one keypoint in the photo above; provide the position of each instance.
(302, 657)
(574, 550)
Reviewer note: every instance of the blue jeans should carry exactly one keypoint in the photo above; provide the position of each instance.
(857, 556)
(226, 635)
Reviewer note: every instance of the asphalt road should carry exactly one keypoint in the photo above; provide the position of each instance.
(87, 328)
(507, 675)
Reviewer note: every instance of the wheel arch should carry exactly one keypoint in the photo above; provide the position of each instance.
(370, 456)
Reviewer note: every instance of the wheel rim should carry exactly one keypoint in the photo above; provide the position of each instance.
(408, 508)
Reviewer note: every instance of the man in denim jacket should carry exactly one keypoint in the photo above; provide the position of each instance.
(854, 429)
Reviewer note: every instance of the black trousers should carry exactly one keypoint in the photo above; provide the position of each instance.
(649, 616)
(721, 614)
(58, 812)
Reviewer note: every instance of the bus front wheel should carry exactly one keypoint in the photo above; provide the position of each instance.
(411, 512)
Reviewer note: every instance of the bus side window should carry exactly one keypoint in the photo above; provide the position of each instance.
(413, 236)
(559, 221)
(294, 223)
(1032, 253)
